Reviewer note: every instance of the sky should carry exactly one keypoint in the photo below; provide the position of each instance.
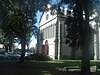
(34, 40)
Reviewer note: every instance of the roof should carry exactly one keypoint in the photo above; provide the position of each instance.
(44, 11)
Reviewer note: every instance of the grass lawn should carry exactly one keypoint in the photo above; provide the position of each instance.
(60, 63)
(40, 67)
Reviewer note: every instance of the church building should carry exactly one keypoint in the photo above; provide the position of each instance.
(52, 36)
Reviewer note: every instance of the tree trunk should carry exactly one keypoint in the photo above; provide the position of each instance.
(73, 53)
(82, 5)
(10, 44)
(6, 47)
(23, 39)
(85, 67)
(27, 46)
(86, 40)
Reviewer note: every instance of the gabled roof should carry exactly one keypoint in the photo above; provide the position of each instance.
(45, 9)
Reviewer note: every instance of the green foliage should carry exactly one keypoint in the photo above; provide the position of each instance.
(80, 31)
(32, 49)
(39, 57)
(18, 19)
(20, 16)
(76, 24)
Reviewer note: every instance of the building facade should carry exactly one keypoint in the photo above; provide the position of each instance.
(52, 36)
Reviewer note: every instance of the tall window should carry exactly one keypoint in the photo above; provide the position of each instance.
(45, 33)
(47, 16)
(54, 30)
(41, 35)
(65, 32)
(51, 31)
(48, 32)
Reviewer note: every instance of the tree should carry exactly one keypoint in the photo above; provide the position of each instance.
(21, 17)
(32, 49)
(80, 32)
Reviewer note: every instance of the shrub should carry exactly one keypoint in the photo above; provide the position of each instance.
(39, 57)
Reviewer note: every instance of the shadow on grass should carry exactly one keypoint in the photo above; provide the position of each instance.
(13, 67)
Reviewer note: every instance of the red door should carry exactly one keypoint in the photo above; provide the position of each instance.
(46, 48)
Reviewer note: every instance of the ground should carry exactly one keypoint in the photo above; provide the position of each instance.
(13, 67)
